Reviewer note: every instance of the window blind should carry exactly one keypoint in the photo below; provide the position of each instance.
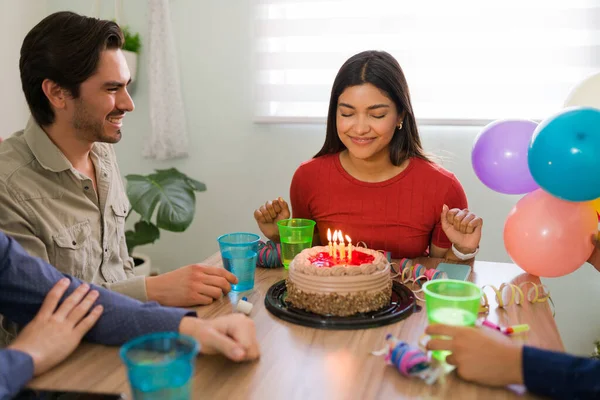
(466, 61)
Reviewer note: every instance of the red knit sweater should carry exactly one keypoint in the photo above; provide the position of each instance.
(400, 215)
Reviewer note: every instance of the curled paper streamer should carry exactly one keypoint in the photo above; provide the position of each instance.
(518, 295)
(524, 291)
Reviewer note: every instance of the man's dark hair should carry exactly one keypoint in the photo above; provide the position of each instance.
(64, 47)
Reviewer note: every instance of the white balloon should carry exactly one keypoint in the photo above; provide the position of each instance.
(585, 93)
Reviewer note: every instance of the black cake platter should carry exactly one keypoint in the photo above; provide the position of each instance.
(402, 304)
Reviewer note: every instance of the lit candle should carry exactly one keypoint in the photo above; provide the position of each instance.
(329, 245)
(335, 245)
(349, 248)
(342, 246)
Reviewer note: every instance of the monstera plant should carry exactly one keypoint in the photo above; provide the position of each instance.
(165, 200)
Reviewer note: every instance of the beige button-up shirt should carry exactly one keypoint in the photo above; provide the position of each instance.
(53, 211)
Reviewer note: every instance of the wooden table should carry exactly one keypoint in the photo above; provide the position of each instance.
(304, 363)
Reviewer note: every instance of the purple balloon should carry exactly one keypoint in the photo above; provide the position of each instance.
(499, 156)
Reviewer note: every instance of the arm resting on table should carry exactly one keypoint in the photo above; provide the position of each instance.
(25, 281)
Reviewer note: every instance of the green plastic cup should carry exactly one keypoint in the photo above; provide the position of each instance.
(451, 302)
(295, 234)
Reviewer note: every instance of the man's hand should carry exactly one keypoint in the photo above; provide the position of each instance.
(269, 214)
(232, 335)
(190, 286)
(54, 333)
(595, 256)
(481, 355)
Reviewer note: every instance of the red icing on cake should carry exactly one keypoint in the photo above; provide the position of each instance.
(323, 259)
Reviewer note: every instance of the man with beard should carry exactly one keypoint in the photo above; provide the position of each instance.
(60, 186)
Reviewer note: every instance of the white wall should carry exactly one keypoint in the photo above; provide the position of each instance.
(244, 164)
(16, 18)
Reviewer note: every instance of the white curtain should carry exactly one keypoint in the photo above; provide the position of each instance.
(168, 138)
(464, 60)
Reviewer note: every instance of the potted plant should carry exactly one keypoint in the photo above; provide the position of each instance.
(173, 193)
(131, 49)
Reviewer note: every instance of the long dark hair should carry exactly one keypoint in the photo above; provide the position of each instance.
(64, 47)
(381, 70)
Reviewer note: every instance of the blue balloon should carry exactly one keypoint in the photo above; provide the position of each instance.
(564, 154)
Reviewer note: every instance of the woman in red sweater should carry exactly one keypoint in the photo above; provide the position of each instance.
(372, 179)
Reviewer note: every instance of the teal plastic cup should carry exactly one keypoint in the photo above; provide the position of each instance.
(295, 235)
(239, 252)
(451, 302)
(160, 365)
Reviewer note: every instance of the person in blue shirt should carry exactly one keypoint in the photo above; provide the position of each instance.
(55, 310)
(488, 357)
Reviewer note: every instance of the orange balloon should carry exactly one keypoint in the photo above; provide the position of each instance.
(549, 237)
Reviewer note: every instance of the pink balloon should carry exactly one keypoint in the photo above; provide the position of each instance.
(549, 237)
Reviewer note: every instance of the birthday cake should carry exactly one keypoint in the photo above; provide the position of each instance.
(356, 281)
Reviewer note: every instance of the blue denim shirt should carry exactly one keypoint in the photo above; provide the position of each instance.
(560, 375)
(24, 283)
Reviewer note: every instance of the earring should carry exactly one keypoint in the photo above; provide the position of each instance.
(400, 125)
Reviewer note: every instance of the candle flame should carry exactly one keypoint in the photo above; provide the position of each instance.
(341, 238)
(329, 234)
(335, 235)
(348, 239)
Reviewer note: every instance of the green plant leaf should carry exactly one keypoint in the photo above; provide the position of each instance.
(170, 190)
(143, 232)
(195, 185)
(132, 41)
(143, 195)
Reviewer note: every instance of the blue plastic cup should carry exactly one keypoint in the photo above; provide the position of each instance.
(160, 365)
(239, 252)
